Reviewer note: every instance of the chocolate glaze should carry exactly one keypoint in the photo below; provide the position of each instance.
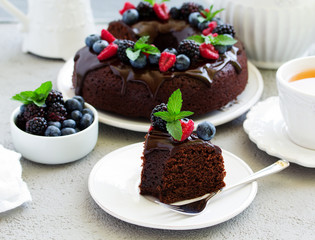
(157, 140)
(204, 71)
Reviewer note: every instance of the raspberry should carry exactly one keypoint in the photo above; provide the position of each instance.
(187, 128)
(128, 5)
(145, 11)
(225, 29)
(106, 35)
(30, 111)
(167, 60)
(189, 48)
(211, 26)
(54, 96)
(161, 11)
(122, 46)
(36, 125)
(188, 8)
(56, 112)
(158, 122)
(208, 51)
(108, 52)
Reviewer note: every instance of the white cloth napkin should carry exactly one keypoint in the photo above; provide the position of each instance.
(13, 190)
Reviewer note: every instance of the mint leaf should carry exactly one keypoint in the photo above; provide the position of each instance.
(175, 129)
(38, 96)
(223, 40)
(183, 114)
(166, 116)
(209, 14)
(141, 41)
(150, 49)
(197, 38)
(174, 104)
(132, 55)
(150, 1)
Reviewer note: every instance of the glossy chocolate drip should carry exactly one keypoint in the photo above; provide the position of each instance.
(157, 140)
(86, 60)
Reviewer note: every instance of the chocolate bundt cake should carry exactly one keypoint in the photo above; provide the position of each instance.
(216, 74)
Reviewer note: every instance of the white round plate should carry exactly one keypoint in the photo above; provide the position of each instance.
(248, 98)
(265, 127)
(114, 181)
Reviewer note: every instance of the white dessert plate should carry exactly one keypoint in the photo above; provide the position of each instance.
(248, 98)
(114, 181)
(265, 126)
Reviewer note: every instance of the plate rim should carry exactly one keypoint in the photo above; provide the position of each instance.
(258, 141)
(238, 210)
(138, 125)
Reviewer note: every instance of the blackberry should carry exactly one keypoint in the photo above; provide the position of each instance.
(31, 110)
(54, 96)
(122, 46)
(158, 122)
(36, 125)
(175, 13)
(225, 29)
(145, 11)
(189, 48)
(56, 112)
(188, 8)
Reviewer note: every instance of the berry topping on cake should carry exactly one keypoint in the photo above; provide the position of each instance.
(225, 29)
(190, 48)
(206, 130)
(208, 51)
(178, 128)
(188, 8)
(45, 113)
(108, 52)
(127, 6)
(122, 47)
(91, 39)
(107, 36)
(158, 122)
(99, 46)
(36, 126)
(182, 62)
(167, 60)
(161, 11)
(211, 26)
(175, 13)
(139, 62)
(130, 16)
(145, 11)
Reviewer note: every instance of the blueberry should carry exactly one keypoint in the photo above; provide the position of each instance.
(99, 45)
(130, 16)
(56, 124)
(171, 50)
(154, 58)
(218, 20)
(220, 48)
(206, 130)
(91, 39)
(193, 19)
(140, 62)
(67, 131)
(85, 121)
(73, 104)
(80, 99)
(203, 25)
(182, 62)
(89, 111)
(76, 115)
(69, 123)
(52, 131)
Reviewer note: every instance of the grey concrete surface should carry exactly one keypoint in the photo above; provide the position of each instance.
(62, 207)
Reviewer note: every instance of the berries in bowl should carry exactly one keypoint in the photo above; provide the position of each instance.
(50, 130)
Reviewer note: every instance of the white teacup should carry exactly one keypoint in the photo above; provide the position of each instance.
(297, 100)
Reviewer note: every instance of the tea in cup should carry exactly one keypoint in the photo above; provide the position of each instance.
(296, 87)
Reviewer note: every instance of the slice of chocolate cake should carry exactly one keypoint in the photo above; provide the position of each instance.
(177, 168)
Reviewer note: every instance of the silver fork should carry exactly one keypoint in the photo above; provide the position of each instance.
(195, 208)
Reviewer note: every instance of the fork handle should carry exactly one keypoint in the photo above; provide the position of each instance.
(274, 168)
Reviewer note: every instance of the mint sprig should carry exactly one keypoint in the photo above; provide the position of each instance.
(218, 40)
(141, 46)
(38, 96)
(208, 14)
(174, 114)
(152, 2)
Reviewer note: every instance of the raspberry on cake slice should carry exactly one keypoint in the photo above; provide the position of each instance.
(179, 164)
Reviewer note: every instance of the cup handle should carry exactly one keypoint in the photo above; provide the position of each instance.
(9, 7)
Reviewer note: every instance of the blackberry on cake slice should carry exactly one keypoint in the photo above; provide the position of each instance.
(177, 164)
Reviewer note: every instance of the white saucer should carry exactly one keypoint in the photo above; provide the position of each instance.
(114, 181)
(265, 127)
(244, 101)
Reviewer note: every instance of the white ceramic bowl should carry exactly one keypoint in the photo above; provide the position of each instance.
(54, 150)
(273, 31)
